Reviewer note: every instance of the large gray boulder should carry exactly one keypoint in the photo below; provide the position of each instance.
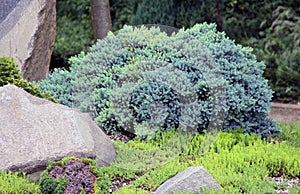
(192, 180)
(27, 33)
(34, 131)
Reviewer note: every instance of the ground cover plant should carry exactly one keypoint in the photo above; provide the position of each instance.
(143, 81)
(240, 163)
(74, 175)
(17, 183)
(290, 133)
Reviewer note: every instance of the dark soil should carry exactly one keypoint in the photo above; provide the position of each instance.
(122, 136)
(119, 182)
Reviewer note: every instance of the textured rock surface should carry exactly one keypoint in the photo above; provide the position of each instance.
(190, 180)
(6, 6)
(27, 32)
(34, 131)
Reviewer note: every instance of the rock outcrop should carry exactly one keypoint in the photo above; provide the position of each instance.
(27, 33)
(34, 131)
(193, 179)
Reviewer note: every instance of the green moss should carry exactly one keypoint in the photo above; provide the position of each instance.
(142, 156)
(17, 183)
(290, 134)
(9, 74)
(49, 185)
(126, 190)
(246, 165)
(239, 162)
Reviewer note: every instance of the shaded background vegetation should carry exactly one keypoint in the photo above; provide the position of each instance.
(271, 27)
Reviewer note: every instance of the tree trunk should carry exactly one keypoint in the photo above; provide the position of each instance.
(101, 18)
(220, 18)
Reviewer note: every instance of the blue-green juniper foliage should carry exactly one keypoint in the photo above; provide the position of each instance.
(142, 79)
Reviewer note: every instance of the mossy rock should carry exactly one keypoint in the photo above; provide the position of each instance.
(9, 74)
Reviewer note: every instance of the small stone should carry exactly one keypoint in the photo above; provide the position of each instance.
(190, 180)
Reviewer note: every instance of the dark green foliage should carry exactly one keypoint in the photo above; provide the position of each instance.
(287, 86)
(147, 13)
(8, 71)
(243, 18)
(74, 28)
(49, 185)
(280, 49)
(9, 74)
(174, 13)
(68, 42)
(121, 13)
(188, 79)
(272, 28)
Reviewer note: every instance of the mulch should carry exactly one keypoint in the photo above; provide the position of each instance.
(285, 112)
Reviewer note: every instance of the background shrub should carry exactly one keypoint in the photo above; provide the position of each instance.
(280, 49)
(246, 19)
(174, 13)
(114, 82)
(9, 74)
(74, 30)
